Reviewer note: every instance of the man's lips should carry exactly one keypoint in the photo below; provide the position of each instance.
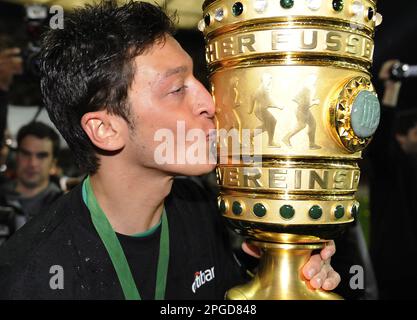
(31, 173)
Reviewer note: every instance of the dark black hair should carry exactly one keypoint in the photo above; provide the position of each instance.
(405, 120)
(88, 66)
(41, 131)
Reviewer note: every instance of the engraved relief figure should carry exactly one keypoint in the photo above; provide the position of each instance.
(233, 98)
(262, 102)
(305, 101)
(226, 115)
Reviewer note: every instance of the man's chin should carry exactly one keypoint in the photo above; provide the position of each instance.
(31, 184)
(192, 169)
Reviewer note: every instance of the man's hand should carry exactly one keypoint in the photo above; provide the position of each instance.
(317, 270)
(392, 88)
(10, 65)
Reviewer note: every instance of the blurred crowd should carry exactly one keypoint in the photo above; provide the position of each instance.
(34, 170)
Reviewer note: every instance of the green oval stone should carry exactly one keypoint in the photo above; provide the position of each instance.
(355, 211)
(371, 13)
(287, 4)
(339, 212)
(237, 9)
(315, 212)
(287, 212)
(366, 114)
(338, 5)
(207, 20)
(222, 207)
(237, 208)
(259, 210)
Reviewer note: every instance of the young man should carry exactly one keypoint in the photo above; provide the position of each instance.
(32, 191)
(111, 79)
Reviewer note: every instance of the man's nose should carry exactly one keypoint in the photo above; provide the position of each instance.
(204, 102)
(33, 160)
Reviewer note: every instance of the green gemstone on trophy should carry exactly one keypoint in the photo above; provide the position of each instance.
(354, 211)
(315, 212)
(259, 210)
(339, 212)
(338, 5)
(287, 212)
(287, 4)
(207, 19)
(237, 208)
(366, 114)
(237, 9)
(371, 13)
(222, 207)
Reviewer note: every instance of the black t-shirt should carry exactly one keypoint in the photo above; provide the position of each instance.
(201, 263)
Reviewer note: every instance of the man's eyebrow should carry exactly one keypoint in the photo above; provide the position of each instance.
(23, 150)
(173, 71)
(40, 153)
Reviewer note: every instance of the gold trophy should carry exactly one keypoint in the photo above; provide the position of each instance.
(294, 107)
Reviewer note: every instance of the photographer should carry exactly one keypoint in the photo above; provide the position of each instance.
(10, 65)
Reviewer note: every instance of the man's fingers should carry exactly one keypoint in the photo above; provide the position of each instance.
(332, 281)
(384, 73)
(318, 280)
(251, 250)
(328, 251)
(312, 267)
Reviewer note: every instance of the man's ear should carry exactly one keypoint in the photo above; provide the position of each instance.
(104, 130)
(53, 170)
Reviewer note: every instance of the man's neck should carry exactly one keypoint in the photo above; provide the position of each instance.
(132, 202)
(27, 192)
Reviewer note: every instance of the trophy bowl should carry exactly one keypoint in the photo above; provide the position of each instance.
(295, 107)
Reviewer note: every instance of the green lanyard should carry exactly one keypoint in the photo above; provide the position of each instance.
(115, 250)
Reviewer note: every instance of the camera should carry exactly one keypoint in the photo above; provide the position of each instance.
(400, 71)
(37, 17)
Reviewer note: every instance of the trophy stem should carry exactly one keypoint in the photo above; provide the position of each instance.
(279, 275)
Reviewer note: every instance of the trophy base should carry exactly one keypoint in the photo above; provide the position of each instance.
(280, 277)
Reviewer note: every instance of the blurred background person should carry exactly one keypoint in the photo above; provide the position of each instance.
(32, 191)
(10, 65)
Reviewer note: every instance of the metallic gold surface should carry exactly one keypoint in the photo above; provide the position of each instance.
(294, 108)
(299, 12)
(324, 40)
(279, 276)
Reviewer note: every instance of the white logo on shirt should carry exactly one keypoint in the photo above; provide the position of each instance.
(202, 277)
